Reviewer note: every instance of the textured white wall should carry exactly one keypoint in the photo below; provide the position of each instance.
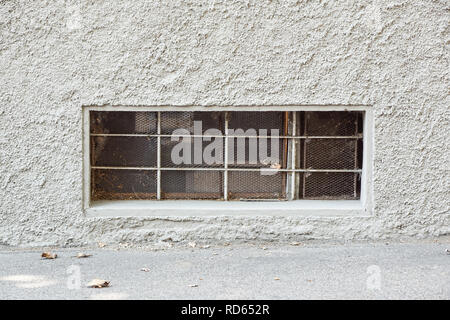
(56, 56)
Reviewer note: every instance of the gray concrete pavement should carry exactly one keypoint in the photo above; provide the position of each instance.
(417, 270)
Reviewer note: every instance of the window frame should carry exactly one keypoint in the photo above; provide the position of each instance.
(139, 208)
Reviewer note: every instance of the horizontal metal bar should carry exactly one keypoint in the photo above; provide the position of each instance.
(216, 136)
(227, 169)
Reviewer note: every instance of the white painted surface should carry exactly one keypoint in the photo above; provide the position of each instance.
(150, 208)
(58, 56)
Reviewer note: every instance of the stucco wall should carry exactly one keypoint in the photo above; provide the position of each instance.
(56, 56)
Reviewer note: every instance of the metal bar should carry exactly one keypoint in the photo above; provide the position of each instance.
(158, 157)
(286, 153)
(225, 169)
(304, 155)
(355, 178)
(294, 126)
(219, 136)
(225, 160)
(299, 149)
(290, 169)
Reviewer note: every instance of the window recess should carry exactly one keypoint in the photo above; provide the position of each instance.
(225, 155)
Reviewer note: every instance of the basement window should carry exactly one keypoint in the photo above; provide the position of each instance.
(225, 155)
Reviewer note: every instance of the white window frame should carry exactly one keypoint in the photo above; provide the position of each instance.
(143, 208)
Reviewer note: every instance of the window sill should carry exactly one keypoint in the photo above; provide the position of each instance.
(186, 208)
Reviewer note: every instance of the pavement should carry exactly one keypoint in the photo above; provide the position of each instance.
(310, 270)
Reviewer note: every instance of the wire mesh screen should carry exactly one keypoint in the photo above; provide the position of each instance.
(192, 152)
(256, 185)
(253, 120)
(192, 122)
(124, 151)
(340, 148)
(257, 152)
(122, 122)
(335, 123)
(330, 154)
(255, 142)
(331, 186)
(123, 184)
(190, 155)
(191, 184)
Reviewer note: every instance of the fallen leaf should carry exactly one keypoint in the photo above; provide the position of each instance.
(49, 255)
(145, 269)
(295, 243)
(83, 255)
(101, 245)
(193, 285)
(275, 166)
(98, 283)
(192, 244)
(276, 278)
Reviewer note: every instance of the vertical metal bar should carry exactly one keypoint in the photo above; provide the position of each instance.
(294, 128)
(225, 160)
(287, 143)
(158, 158)
(284, 162)
(304, 154)
(355, 175)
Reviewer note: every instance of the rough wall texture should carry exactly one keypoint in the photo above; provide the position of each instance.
(56, 56)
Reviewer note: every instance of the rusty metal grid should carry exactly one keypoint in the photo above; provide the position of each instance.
(320, 156)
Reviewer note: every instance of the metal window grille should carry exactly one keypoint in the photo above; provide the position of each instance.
(319, 155)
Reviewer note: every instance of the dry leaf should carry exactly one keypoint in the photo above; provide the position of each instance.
(98, 283)
(276, 278)
(295, 243)
(101, 245)
(192, 244)
(145, 269)
(275, 166)
(49, 255)
(83, 255)
(193, 285)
